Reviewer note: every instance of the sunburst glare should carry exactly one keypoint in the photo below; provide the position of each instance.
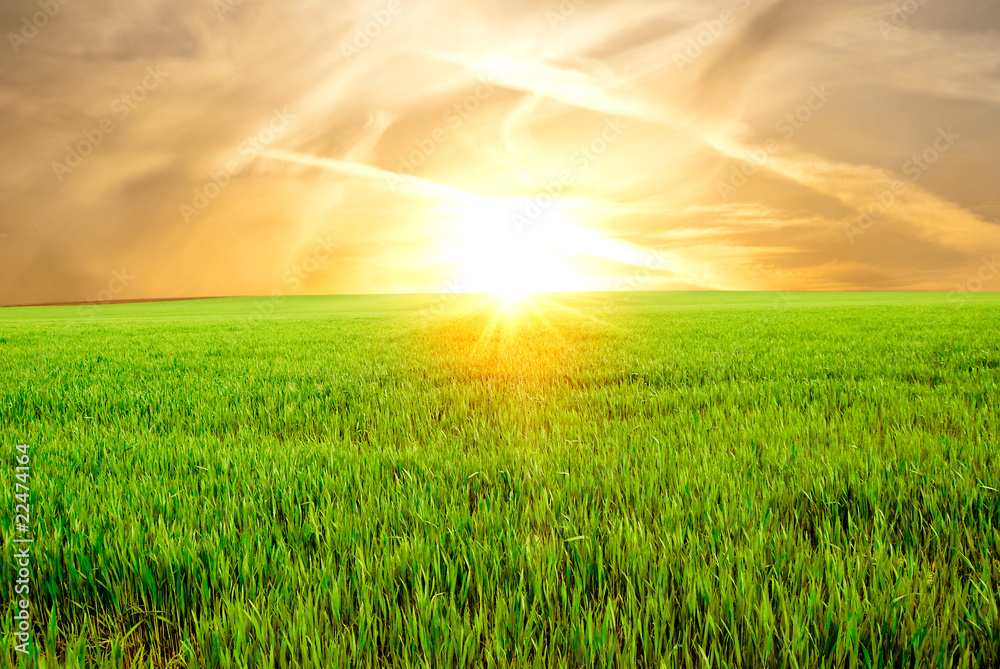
(515, 247)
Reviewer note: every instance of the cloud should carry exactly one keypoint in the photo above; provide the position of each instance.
(399, 110)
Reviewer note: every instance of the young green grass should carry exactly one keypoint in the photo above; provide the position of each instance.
(673, 480)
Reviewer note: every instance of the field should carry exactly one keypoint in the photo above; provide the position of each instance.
(663, 480)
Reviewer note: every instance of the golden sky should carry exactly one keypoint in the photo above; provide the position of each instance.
(227, 147)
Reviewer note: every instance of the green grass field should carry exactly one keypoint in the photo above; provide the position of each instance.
(663, 480)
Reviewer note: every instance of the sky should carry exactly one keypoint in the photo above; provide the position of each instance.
(225, 147)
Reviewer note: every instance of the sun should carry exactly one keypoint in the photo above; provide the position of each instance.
(515, 247)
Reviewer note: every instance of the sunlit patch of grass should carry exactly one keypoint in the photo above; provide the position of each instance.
(660, 484)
